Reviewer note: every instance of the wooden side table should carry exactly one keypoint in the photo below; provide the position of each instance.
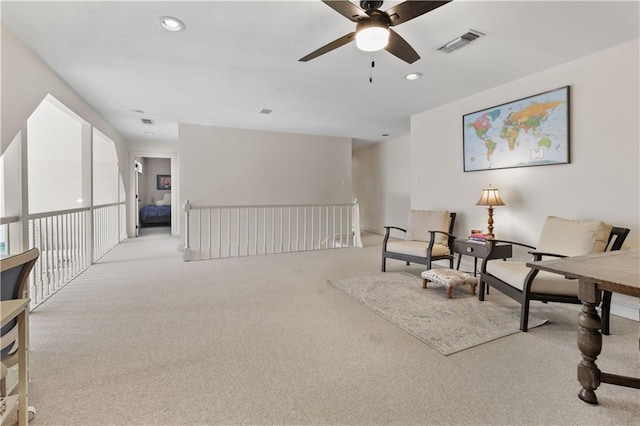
(480, 250)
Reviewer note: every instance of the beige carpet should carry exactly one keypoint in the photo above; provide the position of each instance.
(447, 325)
(143, 338)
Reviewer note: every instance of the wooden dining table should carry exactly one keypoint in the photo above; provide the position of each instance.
(617, 272)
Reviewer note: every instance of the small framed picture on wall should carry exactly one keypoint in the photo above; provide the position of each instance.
(163, 182)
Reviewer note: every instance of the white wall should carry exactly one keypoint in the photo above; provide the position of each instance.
(382, 183)
(223, 166)
(601, 182)
(55, 147)
(26, 81)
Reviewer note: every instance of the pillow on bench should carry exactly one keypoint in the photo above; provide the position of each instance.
(422, 221)
(573, 237)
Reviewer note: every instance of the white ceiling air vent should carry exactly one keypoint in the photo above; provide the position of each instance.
(147, 121)
(461, 41)
(265, 111)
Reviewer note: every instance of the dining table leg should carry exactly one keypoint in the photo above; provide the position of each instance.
(589, 341)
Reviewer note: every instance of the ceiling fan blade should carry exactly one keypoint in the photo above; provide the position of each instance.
(329, 47)
(399, 47)
(347, 9)
(411, 9)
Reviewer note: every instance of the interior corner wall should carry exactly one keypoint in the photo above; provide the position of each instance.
(602, 181)
(26, 80)
(381, 183)
(225, 166)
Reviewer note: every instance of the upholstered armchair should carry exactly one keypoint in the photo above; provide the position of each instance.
(428, 237)
(559, 238)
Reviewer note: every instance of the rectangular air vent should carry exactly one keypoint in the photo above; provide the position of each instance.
(265, 111)
(461, 41)
(147, 121)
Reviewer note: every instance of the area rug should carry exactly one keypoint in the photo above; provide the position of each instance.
(447, 325)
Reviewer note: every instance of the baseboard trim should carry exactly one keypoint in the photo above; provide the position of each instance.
(371, 230)
(625, 307)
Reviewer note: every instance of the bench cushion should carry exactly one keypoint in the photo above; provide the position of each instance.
(417, 248)
(515, 273)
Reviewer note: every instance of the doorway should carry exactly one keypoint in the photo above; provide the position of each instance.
(154, 193)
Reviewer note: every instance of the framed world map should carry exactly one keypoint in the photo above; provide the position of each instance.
(532, 131)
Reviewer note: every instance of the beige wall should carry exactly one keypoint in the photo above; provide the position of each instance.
(223, 166)
(382, 183)
(26, 80)
(601, 182)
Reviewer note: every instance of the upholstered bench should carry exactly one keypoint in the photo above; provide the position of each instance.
(450, 278)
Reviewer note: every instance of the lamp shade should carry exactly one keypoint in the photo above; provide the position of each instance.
(490, 197)
(372, 35)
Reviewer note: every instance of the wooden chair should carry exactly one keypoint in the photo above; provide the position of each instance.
(14, 278)
(420, 245)
(559, 238)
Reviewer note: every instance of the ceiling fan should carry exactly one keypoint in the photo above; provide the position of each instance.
(373, 30)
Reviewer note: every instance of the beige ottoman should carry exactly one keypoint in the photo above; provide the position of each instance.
(450, 278)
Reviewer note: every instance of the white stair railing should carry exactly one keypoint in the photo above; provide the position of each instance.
(106, 234)
(62, 238)
(69, 242)
(213, 232)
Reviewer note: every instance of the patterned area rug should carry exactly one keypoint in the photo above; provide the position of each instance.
(447, 325)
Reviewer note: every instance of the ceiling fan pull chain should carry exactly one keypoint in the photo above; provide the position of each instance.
(373, 65)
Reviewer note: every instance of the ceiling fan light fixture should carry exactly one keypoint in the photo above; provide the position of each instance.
(372, 36)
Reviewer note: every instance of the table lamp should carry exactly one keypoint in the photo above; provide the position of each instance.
(490, 197)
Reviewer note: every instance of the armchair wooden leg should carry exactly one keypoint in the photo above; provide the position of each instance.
(524, 316)
(482, 291)
(606, 311)
(384, 264)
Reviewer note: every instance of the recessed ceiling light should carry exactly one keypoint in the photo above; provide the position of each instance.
(413, 76)
(149, 133)
(137, 111)
(170, 23)
(385, 134)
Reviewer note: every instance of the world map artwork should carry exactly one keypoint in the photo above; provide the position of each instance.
(528, 132)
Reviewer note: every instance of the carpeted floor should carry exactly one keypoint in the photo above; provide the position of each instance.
(447, 325)
(143, 338)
